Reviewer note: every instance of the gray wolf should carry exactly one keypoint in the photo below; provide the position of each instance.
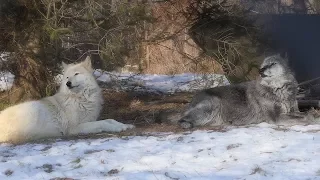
(73, 110)
(269, 99)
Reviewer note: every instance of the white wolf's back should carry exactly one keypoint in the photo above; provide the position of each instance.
(27, 120)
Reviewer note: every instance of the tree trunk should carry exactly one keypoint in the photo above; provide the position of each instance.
(32, 79)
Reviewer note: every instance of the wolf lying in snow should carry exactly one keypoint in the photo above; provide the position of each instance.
(269, 99)
(73, 110)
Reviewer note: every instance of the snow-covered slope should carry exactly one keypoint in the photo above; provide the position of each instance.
(257, 152)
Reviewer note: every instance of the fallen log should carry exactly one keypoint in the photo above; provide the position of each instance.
(309, 103)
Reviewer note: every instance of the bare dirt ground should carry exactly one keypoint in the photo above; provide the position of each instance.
(142, 109)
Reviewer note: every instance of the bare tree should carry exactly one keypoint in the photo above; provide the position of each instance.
(222, 30)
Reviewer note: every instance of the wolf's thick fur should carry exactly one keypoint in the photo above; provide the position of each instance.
(264, 100)
(73, 110)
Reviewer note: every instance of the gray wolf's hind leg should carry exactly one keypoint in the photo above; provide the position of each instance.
(200, 114)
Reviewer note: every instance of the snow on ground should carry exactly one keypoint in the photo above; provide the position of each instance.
(6, 81)
(6, 78)
(138, 82)
(162, 83)
(258, 152)
(144, 82)
(4, 56)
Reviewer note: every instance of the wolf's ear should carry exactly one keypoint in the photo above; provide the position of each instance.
(64, 65)
(284, 56)
(87, 63)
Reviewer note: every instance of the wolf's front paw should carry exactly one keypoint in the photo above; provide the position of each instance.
(129, 126)
(124, 127)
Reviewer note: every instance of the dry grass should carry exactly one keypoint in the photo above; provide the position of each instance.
(140, 109)
(8, 172)
(143, 110)
(113, 171)
(170, 49)
(258, 170)
(165, 58)
(232, 146)
(48, 168)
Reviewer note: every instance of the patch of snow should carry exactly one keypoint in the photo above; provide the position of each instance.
(143, 82)
(162, 83)
(306, 128)
(6, 81)
(139, 82)
(6, 78)
(257, 152)
(58, 79)
(4, 56)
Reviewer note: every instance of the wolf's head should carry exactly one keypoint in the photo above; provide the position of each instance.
(77, 77)
(274, 66)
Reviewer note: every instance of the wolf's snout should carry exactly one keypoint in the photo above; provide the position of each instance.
(69, 84)
(261, 72)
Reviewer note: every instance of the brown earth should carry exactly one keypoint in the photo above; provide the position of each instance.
(142, 109)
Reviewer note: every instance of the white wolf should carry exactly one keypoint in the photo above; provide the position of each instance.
(73, 110)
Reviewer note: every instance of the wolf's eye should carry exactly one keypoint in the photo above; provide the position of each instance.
(76, 74)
